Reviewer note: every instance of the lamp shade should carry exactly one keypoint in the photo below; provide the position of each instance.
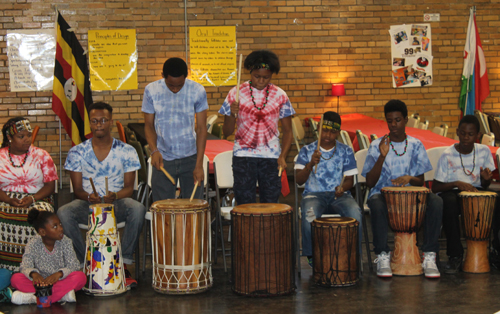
(338, 90)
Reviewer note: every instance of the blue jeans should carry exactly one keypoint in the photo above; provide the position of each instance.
(380, 223)
(4, 278)
(126, 209)
(316, 204)
(181, 170)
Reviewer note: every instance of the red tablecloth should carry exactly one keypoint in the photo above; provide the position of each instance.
(215, 147)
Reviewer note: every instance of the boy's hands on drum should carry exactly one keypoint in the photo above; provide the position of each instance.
(464, 186)
(110, 197)
(235, 108)
(401, 181)
(486, 174)
(52, 279)
(384, 146)
(94, 199)
(37, 278)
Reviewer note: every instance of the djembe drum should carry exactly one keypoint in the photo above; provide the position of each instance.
(477, 214)
(406, 211)
(103, 262)
(262, 251)
(335, 251)
(180, 236)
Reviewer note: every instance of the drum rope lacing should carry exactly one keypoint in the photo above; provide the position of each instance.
(467, 172)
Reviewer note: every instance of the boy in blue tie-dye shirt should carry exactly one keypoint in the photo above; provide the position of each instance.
(400, 160)
(323, 193)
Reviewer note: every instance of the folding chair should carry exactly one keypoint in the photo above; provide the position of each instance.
(363, 140)
(314, 128)
(361, 198)
(223, 173)
(488, 139)
(373, 137)
(297, 213)
(121, 131)
(441, 130)
(483, 122)
(210, 122)
(298, 131)
(434, 154)
(413, 121)
(345, 139)
(424, 125)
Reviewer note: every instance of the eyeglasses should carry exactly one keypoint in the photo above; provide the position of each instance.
(96, 121)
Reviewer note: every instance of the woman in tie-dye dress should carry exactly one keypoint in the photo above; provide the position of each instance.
(257, 154)
(27, 180)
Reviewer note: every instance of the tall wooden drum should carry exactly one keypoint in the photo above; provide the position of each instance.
(180, 236)
(477, 214)
(262, 250)
(406, 211)
(335, 251)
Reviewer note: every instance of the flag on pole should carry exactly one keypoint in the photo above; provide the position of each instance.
(71, 90)
(475, 84)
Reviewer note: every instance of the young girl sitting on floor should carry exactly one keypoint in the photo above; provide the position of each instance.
(49, 259)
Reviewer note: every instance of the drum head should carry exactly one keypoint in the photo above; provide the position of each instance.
(265, 209)
(178, 204)
(480, 193)
(335, 221)
(402, 189)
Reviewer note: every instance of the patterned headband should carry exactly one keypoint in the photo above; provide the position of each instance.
(16, 127)
(331, 125)
(261, 66)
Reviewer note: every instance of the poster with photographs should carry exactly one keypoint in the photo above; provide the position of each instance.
(411, 53)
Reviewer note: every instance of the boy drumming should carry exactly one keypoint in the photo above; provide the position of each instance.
(400, 160)
(323, 192)
(464, 166)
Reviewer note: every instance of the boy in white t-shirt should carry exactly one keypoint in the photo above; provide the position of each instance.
(464, 166)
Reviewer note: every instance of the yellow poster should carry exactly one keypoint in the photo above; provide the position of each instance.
(113, 59)
(213, 55)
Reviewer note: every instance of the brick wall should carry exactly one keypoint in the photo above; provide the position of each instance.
(318, 42)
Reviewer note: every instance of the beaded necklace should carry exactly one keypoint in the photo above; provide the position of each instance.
(334, 150)
(253, 99)
(394, 150)
(12, 161)
(467, 172)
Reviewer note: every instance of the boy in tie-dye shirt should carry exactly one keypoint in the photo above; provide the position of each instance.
(257, 151)
(400, 160)
(323, 193)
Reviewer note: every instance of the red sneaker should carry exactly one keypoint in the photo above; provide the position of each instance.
(129, 281)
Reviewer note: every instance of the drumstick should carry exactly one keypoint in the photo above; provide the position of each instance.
(279, 172)
(106, 180)
(238, 85)
(319, 141)
(194, 190)
(168, 175)
(93, 186)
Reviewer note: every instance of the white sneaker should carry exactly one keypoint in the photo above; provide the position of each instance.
(19, 298)
(383, 262)
(429, 265)
(69, 297)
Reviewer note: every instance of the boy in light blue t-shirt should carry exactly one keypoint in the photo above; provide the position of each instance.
(323, 193)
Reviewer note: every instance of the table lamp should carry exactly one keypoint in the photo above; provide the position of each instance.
(338, 90)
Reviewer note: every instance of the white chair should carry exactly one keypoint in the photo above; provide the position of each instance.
(488, 139)
(434, 154)
(345, 139)
(362, 197)
(210, 122)
(483, 122)
(223, 164)
(297, 213)
(298, 131)
(441, 130)
(373, 137)
(363, 140)
(413, 121)
(424, 125)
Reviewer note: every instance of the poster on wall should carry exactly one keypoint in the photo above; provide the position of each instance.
(31, 54)
(112, 59)
(213, 55)
(411, 55)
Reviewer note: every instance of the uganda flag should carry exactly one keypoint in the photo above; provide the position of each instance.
(71, 91)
